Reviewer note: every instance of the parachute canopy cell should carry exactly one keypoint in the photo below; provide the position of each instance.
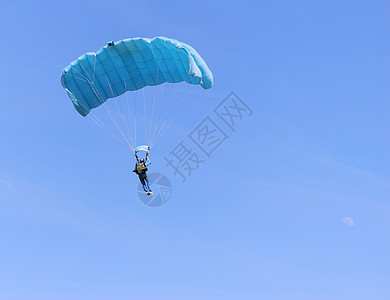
(129, 65)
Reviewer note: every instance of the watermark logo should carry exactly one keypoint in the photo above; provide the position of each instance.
(162, 190)
(190, 154)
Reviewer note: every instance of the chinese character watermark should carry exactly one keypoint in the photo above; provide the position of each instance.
(183, 159)
(232, 110)
(208, 136)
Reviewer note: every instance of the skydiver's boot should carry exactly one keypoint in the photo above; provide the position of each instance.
(147, 193)
(150, 192)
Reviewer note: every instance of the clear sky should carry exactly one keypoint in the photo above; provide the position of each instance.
(262, 218)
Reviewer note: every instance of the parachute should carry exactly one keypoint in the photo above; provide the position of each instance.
(125, 67)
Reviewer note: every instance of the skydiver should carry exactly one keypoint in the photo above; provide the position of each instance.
(140, 168)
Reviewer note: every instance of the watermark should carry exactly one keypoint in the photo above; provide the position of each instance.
(232, 110)
(208, 136)
(162, 190)
(183, 161)
(188, 156)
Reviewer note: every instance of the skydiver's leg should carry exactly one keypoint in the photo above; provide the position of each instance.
(147, 182)
(143, 183)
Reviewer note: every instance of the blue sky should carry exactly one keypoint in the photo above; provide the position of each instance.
(262, 218)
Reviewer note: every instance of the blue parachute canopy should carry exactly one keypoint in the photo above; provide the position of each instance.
(129, 65)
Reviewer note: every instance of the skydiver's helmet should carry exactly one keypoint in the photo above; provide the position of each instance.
(141, 161)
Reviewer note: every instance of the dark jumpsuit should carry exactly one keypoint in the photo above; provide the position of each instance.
(144, 178)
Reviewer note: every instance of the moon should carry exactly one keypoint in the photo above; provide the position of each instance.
(349, 221)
